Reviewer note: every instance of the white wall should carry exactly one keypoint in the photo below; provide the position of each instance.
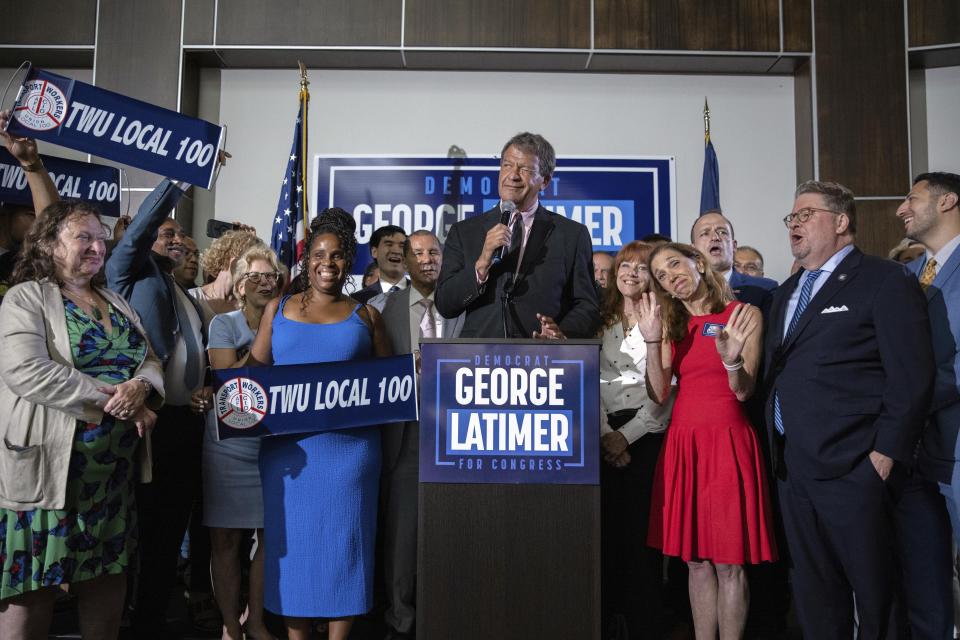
(413, 112)
(943, 122)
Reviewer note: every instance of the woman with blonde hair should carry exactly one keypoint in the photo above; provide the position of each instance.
(710, 502)
(216, 295)
(232, 495)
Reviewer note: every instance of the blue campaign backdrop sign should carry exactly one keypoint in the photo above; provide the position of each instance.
(94, 183)
(252, 402)
(619, 199)
(520, 412)
(81, 116)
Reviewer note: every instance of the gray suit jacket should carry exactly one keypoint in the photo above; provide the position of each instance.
(396, 316)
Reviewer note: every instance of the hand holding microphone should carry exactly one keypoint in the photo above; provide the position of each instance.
(498, 237)
(507, 208)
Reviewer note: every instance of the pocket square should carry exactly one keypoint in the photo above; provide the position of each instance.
(835, 309)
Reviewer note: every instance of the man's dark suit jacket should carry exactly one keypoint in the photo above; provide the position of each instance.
(555, 279)
(753, 290)
(938, 450)
(856, 373)
(134, 271)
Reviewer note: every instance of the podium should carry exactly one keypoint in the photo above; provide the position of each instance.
(509, 496)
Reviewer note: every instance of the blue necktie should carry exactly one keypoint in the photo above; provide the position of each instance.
(805, 295)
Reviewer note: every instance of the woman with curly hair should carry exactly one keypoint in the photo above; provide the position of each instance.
(216, 295)
(710, 502)
(76, 379)
(320, 490)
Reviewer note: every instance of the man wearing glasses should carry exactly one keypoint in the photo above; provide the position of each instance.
(849, 369)
(141, 269)
(518, 270)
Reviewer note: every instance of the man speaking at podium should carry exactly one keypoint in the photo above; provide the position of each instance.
(518, 270)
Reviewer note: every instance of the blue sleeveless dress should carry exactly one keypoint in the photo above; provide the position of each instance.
(320, 491)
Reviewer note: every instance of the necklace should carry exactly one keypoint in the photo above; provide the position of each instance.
(94, 307)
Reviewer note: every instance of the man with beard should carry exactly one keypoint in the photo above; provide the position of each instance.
(186, 273)
(141, 269)
(712, 235)
(409, 314)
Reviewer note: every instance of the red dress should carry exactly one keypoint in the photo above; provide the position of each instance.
(710, 499)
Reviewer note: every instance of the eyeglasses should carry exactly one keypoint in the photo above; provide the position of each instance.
(170, 234)
(525, 172)
(255, 277)
(804, 214)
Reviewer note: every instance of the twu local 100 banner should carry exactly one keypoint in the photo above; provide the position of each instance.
(81, 116)
(309, 398)
(618, 199)
(94, 183)
(526, 412)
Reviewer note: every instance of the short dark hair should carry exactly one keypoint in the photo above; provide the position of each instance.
(655, 237)
(418, 232)
(718, 212)
(744, 247)
(940, 182)
(537, 145)
(385, 230)
(836, 196)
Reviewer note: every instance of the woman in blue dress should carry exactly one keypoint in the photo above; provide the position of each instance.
(320, 490)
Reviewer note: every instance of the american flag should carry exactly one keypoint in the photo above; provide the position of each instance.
(290, 221)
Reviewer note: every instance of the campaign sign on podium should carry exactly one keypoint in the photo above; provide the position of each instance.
(309, 398)
(523, 412)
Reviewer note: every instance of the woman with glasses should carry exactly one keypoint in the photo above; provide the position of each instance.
(711, 507)
(232, 498)
(216, 295)
(631, 434)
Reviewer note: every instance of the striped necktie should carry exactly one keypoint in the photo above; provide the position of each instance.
(805, 295)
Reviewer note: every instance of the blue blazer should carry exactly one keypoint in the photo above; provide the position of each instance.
(855, 375)
(753, 290)
(938, 448)
(133, 271)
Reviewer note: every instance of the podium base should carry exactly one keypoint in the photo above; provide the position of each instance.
(508, 561)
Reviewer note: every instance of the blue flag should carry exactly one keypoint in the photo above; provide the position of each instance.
(290, 221)
(710, 189)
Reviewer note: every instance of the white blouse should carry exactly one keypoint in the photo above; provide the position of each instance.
(623, 368)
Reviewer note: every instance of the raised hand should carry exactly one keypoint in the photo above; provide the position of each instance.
(649, 321)
(744, 320)
(23, 149)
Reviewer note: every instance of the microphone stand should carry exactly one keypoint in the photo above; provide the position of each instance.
(505, 299)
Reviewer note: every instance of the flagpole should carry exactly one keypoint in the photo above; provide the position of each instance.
(304, 102)
(706, 121)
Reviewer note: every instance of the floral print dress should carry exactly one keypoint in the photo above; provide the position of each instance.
(95, 533)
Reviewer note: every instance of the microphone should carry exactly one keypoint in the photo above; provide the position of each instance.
(507, 207)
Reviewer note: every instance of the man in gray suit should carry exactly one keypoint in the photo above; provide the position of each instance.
(409, 314)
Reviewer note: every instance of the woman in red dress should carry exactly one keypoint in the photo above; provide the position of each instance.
(710, 501)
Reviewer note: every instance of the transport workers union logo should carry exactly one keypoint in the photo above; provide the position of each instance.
(241, 403)
(42, 106)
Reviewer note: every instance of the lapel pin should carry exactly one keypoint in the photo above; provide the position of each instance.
(842, 277)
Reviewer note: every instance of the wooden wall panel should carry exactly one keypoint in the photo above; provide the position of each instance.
(862, 96)
(198, 18)
(797, 32)
(309, 22)
(506, 23)
(48, 22)
(713, 25)
(878, 228)
(934, 22)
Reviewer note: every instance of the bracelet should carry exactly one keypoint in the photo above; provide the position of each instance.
(34, 166)
(146, 384)
(736, 366)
